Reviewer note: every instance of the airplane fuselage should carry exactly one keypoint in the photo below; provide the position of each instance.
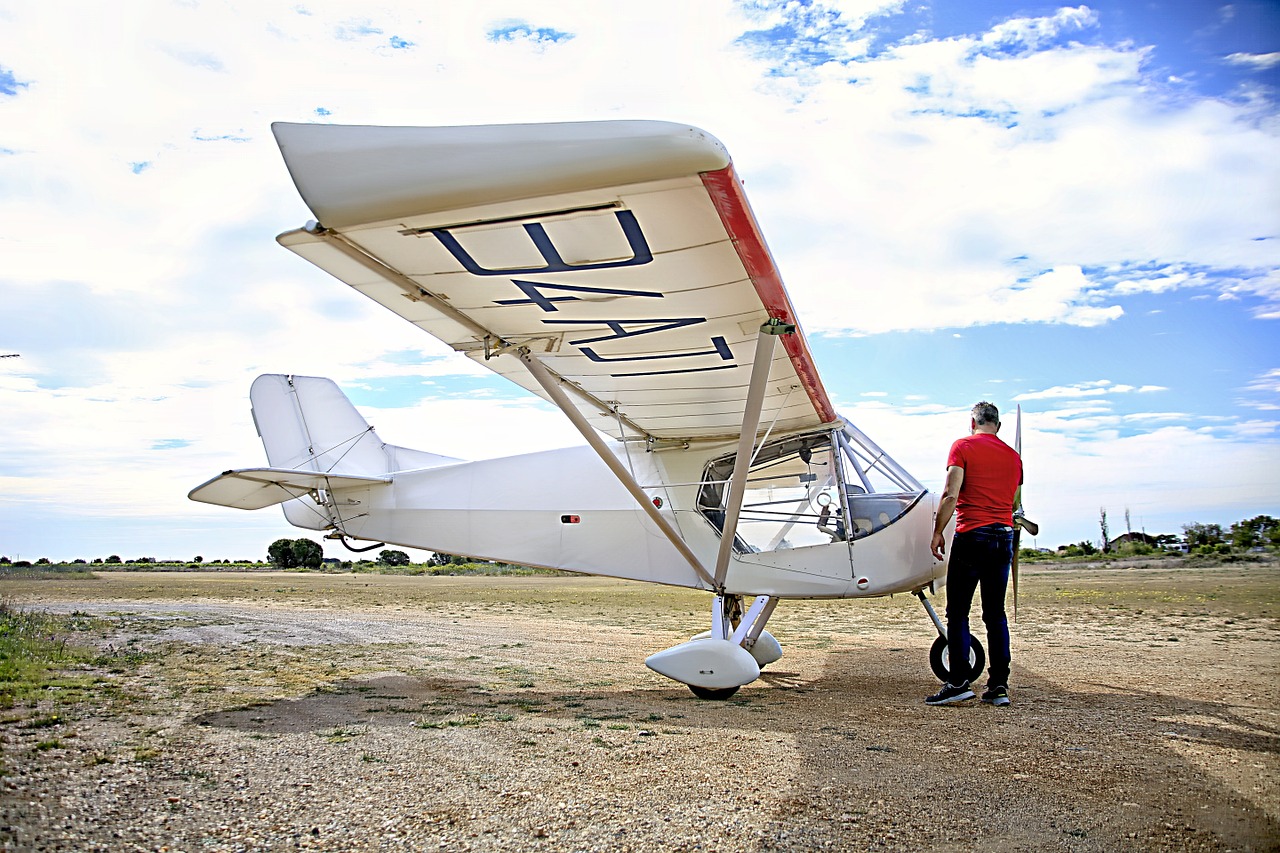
(563, 509)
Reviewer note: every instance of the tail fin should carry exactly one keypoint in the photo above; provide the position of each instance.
(307, 424)
(315, 440)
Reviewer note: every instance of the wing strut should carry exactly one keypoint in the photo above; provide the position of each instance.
(760, 368)
(551, 384)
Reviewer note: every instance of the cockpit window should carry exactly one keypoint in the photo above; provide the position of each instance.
(811, 489)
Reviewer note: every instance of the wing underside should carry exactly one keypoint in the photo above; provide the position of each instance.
(622, 255)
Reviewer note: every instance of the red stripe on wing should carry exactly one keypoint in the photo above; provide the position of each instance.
(731, 203)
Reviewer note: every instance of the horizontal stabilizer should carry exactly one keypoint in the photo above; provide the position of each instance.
(255, 488)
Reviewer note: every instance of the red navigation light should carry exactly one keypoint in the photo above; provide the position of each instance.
(570, 519)
(657, 502)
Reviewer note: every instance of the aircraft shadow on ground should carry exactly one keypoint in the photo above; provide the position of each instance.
(856, 685)
(857, 722)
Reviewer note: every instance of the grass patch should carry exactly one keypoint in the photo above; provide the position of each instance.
(52, 572)
(36, 650)
(473, 719)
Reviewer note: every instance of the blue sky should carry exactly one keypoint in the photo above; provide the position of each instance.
(1071, 208)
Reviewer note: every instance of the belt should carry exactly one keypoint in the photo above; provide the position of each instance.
(993, 528)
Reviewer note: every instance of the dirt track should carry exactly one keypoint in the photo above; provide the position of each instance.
(285, 711)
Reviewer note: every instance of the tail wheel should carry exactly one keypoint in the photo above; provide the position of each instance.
(713, 693)
(940, 660)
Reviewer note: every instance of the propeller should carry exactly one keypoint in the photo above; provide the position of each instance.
(1020, 521)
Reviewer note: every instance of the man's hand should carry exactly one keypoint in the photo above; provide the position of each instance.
(946, 506)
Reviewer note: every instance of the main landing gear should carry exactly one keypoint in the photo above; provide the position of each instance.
(940, 655)
(714, 664)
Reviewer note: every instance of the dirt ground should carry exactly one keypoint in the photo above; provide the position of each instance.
(283, 711)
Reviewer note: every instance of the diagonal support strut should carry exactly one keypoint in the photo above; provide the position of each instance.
(760, 370)
(551, 384)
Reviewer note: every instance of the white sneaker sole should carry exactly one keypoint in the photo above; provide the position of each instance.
(968, 694)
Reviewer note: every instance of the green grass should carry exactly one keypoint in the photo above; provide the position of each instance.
(36, 652)
(50, 572)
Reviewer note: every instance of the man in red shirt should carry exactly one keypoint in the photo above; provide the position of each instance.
(983, 476)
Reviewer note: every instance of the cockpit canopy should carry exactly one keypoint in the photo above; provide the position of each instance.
(812, 488)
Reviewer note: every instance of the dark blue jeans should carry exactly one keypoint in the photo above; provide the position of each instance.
(980, 559)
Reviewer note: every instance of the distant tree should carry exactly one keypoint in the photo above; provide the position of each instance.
(114, 558)
(22, 564)
(197, 559)
(5, 561)
(1106, 539)
(280, 554)
(43, 561)
(1079, 549)
(97, 561)
(393, 558)
(1259, 530)
(441, 559)
(77, 562)
(307, 554)
(1196, 534)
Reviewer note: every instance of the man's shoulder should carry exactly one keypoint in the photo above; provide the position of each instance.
(984, 443)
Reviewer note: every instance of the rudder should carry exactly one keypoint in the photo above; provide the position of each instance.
(306, 423)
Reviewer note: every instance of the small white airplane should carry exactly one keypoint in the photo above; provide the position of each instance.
(616, 270)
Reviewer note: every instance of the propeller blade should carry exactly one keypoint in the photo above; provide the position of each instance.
(1016, 537)
(1020, 523)
(1017, 432)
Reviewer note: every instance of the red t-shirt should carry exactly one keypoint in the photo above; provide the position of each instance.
(992, 474)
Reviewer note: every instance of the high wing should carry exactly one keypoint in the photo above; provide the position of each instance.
(622, 255)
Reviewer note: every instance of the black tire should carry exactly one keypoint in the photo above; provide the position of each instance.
(939, 659)
(713, 693)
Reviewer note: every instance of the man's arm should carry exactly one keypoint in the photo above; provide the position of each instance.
(947, 506)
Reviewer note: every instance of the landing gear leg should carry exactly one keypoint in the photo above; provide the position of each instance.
(726, 616)
(744, 628)
(940, 653)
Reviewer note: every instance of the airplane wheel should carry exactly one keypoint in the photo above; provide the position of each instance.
(713, 693)
(940, 659)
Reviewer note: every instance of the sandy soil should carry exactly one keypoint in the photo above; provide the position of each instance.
(286, 711)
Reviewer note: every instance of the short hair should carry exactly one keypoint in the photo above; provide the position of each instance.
(985, 413)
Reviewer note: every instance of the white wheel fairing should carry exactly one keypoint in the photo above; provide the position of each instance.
(708, 662)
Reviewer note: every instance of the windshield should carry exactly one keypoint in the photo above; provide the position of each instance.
(811, 489)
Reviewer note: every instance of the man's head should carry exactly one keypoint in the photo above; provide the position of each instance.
(986, 417)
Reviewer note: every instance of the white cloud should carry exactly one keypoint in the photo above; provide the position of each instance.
(1096, 388)
(1263, 392)
(1030, 33)
(1255, 61)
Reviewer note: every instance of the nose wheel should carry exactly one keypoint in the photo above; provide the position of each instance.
(940, 661)
(940, 654)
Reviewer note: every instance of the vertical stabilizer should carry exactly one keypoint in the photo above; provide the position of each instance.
(306, 423)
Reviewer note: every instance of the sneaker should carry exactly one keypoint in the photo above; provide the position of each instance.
(996, 694)
(950, 693)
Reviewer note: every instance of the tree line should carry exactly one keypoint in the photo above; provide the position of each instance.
(1261, 531)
